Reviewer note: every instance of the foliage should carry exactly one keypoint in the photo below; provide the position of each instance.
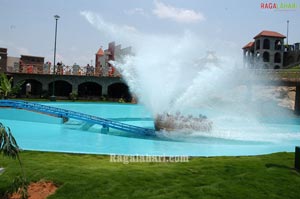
(8, 144)
(6, 88)
(5, 85)
(10, 148)
(295, 67)
(121, 100)
(94, 176)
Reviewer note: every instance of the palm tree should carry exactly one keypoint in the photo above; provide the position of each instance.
(8, 144)
(6, 88)
(10, 148)
(5, 85)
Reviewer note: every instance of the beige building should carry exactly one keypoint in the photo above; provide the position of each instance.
(13, 64)
(103, 58)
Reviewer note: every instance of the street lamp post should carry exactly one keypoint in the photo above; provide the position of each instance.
(53, 98)
(287, 32)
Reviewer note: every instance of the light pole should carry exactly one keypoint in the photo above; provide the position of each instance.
(287, 32)
(53, 98)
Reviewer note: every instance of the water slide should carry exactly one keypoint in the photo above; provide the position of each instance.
(63, 113)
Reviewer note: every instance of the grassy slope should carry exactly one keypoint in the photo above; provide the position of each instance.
(92, 176)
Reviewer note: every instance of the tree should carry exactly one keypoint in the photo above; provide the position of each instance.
(6, 88)
(5, 85)
(8, 144)
(10, 148)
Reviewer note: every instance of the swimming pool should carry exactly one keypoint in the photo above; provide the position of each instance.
(230, 136)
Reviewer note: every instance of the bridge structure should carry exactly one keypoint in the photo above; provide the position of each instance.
(72, 83)
(63, 113)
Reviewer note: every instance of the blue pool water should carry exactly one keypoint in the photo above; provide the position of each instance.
(230, 135)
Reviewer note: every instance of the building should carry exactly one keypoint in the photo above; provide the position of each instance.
(31, 64)
(31, 70)
(23, 64)
(268, 51)
(103, 65)
(99, 65)
(3, 59)
(13, 64)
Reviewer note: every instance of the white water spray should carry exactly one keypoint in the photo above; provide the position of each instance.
(173, 73)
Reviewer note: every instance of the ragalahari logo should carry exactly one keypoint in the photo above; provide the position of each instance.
(282, 6)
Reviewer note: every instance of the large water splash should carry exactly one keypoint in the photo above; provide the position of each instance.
(174, 73)
(170, 74)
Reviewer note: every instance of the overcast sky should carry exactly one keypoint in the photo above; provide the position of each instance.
(27, 26)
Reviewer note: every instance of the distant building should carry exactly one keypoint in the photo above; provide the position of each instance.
(31, 64)
(13, 64)
(266, 51)
(3, 59)
(103, 58)
(23, 64)
(99, 65)
(269, 51)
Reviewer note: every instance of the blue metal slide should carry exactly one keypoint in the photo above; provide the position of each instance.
(63, 113)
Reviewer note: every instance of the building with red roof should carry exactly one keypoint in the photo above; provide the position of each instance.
(267, 33)
(266, 51)
(269, 51)
(103, 64)
(249, 45)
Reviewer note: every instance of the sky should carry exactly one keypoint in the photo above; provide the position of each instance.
(28, 26)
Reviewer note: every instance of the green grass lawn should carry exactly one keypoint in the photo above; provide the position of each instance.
(295, 68)
(94, 176)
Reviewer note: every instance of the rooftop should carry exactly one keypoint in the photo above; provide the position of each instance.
(100, 52)
(249, 45)
(25, 56)
(268, 33)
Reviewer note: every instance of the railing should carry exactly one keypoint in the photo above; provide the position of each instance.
(64, 70)
(59, 112)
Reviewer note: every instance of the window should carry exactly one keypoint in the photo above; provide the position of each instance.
(266, 57)
(266, 44)
(257, 44)
(277, 58)
(278, 45)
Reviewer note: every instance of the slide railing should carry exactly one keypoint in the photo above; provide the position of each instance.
(63, 113)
